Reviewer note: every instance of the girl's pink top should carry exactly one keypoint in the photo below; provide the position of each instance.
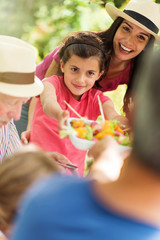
(44, 130)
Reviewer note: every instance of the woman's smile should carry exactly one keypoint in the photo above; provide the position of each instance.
(129, 41)
(124, 49)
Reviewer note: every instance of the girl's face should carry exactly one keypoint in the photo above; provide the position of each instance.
(129, 41)
(80, 74)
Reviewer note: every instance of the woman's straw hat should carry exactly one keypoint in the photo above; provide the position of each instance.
(143, 13)
(17, 68)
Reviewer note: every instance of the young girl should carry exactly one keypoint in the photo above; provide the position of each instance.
(82, 62)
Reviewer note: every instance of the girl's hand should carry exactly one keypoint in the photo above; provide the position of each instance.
(62, 118)
(25, 137)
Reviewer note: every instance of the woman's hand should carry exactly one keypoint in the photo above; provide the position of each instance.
(111, 114)
(25, 137)
(123, 120)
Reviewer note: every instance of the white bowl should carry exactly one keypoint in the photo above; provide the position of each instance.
(85, 144)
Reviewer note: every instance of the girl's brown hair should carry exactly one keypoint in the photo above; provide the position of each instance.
(84, 44)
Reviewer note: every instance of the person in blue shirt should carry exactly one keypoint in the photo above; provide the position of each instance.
(66, 207)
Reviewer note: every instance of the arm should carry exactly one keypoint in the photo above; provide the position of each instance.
(48, 97)
(49, 101)
(53, 69)
(111, 114)
(25, 136)
(31, 111)
(51, 107)
(46, 68)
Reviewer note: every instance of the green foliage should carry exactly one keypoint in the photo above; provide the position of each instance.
(53, 24)
(44, 23)
(118, 3)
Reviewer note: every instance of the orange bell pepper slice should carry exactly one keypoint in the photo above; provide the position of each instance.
(81, 132)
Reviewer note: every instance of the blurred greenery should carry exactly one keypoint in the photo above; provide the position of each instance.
(44, 23)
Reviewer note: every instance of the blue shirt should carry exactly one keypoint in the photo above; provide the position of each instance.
(65, 208)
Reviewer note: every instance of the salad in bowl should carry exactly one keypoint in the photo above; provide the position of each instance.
(84, 133)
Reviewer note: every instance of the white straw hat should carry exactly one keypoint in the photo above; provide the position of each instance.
(143, 13)
(17, 68)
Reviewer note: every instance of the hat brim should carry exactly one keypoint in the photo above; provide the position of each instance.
(115, 12)
(22, 90)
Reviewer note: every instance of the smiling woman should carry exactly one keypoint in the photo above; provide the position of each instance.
(135, 29)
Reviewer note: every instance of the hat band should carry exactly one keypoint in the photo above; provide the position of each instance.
(17, 78)
(143, 20)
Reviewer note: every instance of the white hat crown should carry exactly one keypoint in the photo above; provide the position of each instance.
(17, 58)
(147, 8)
